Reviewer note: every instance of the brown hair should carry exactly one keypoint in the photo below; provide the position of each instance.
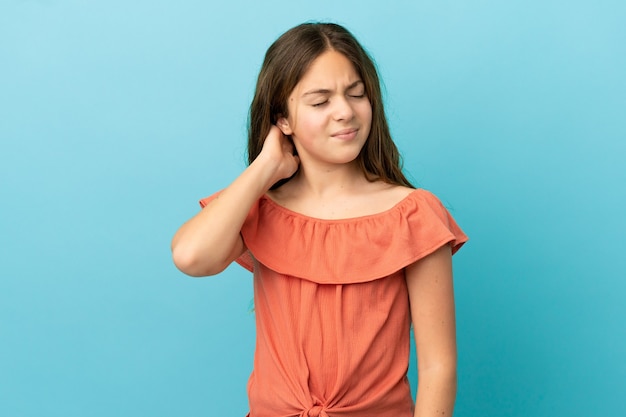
(286, 62)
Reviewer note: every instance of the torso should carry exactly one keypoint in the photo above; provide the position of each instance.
(331, 300)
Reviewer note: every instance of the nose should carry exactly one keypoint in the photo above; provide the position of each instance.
(343, 110)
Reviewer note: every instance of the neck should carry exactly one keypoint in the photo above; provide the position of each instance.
(324, 181)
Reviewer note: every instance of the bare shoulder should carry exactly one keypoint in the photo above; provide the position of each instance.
(385, 196)
(395, 193)
(283, 195)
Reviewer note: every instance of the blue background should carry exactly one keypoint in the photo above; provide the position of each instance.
(117, 116)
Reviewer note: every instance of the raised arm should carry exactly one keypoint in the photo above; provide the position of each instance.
(431, 296)
(211, 240)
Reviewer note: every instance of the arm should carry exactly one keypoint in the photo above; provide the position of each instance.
(431, 297)
(211, 240)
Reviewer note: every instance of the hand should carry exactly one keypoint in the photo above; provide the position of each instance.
(278, 148)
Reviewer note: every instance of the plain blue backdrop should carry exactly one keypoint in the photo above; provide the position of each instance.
(117, 116)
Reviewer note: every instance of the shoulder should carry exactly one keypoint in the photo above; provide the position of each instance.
(426, 197)
(394, 196)
(394, 193)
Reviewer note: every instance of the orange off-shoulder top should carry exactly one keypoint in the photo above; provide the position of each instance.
(332, 306)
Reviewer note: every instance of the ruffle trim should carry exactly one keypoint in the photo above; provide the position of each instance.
(346, 251)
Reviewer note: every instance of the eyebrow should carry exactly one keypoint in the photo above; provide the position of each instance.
(327, 91)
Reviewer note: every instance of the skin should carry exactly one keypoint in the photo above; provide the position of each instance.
(431, 297)
(329, 115)
(328, 123)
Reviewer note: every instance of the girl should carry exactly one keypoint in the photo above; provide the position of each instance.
(345, 252)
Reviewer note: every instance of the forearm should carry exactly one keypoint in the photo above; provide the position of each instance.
(436, 392)
(206, 244)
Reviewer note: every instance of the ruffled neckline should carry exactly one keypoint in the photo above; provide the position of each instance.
(349, 250)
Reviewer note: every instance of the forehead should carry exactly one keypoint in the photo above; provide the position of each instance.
(329, 70)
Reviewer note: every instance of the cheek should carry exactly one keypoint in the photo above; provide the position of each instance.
(309, 124)
(365, 114)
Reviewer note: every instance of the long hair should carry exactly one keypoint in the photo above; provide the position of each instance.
(286, 62)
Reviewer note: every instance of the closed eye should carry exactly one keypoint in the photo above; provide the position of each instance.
(320, 104)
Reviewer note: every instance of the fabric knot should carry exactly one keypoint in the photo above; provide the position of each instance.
(317, 411)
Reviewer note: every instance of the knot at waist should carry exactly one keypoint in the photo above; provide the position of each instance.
(315, 411)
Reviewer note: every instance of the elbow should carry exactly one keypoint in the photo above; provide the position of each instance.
(443, 362)
(193, 264)
(185, 262)
(443, 371)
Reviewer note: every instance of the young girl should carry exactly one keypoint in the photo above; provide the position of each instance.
(345, 252)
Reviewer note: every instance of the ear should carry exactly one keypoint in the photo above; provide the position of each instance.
(283, 125)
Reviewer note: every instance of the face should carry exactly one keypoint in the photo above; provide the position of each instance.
(329, 114)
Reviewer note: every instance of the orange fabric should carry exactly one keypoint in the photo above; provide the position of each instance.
(332, 307)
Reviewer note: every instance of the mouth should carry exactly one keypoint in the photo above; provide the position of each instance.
(345, 134)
